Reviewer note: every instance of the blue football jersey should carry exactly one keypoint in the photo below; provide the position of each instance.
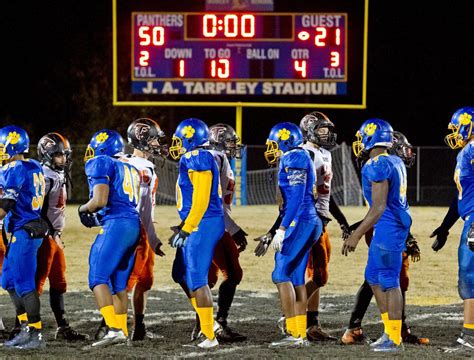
(124, 186)
(197, 160)
(22, 181)
(464, 179)
(296, 179)
(391, 168)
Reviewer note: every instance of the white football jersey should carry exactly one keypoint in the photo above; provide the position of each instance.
(227, 182)
(323, 165)
(54, 205)
(146, 202)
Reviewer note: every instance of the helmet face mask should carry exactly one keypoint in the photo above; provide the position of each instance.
(222, 137)
(146, 135)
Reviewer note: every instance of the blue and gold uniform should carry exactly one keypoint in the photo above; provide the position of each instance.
(113, 252)
(391, 230)
(464, 178)
(23, 182)
(202, 214)
(296, 177)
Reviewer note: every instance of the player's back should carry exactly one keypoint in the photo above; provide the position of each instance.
(390, 168)
(23, 181)
(124, 182)
(296, 168)
(198, 160)
(464, 179)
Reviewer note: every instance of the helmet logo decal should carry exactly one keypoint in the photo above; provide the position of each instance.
(465, 119)
(284, 134)
(101, 137)
(188, 132)
(141, 130)
(47, 143)
(13, 138)
(370, 129)
(217, 133)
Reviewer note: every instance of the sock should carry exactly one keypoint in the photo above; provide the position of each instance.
(206, 317)
(22, 318)
(36, 325)
(385, 322)
(291, 326)
(363, 298)
(17, 302)
(56, 300)
(224, 302)
(108, 312)
(301, 325)
(193, 303)
(139, 320)
(102, 323)
(468, 329)
(122, 322)
(395, 331)
(312, 318)
(32, 307)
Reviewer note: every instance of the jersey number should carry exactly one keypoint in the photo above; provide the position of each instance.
(131, 183)
(40, 187)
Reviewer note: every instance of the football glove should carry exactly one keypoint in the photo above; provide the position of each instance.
(277, 242)
(264, 243)
(88, 219)
(470, 237)
(240, 239)
(412, 248)
(441, 238)
(178, 239)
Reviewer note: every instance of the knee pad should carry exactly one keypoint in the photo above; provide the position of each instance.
(466, 284)
(388, 279)
(279, 277)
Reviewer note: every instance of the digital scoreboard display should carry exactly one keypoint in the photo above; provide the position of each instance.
(245, 56)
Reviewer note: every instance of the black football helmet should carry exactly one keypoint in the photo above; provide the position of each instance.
(53, 144)
(403, 149)
(310, 125)
(146, 135)
(222, 137)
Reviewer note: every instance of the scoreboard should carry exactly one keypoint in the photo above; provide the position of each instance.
(312, 55)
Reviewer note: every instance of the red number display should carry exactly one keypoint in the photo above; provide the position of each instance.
(156, 37)
(231, 26)
(300, 67)
(220, 68)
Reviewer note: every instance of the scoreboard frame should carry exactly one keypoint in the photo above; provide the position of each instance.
(237, 104)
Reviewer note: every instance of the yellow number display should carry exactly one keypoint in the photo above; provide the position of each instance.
(131, 183)
(40, 188)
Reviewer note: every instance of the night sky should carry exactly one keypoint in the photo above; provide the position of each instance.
(420, 70)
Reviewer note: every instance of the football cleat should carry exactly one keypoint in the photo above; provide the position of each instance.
(226, 334)
(101, 332)
(315, 333)
(35, 340)
(388, 346)
(111, 338)
(354, 336)
(464, 344)
(287, 342)
(69, 334)
(14, 332)
(409, 338)
(18, 337)
(380, 340)
(208, 344)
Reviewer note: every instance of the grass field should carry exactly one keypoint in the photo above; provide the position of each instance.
(434, 308)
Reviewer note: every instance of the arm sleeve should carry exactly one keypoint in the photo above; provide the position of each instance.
(336, 212)
(277, 223)
(202, 184)
(452, 215)
(297, 180)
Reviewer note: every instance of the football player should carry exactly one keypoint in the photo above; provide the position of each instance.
(114, 192)
(224, 146)
(461, 137)
(299, 229)
(54, 153)
(384, 185)
(354, 334)
(199, 203)
(318, 132)
(22, 192)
